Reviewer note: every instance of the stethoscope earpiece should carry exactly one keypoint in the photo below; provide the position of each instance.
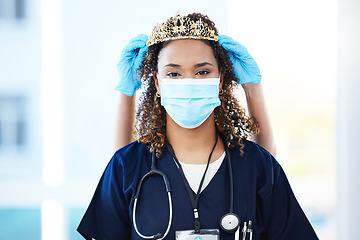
(230, 222)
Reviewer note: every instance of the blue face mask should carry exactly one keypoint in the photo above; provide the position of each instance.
(189, 102)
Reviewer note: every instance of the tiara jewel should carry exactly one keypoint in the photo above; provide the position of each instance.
(181, 27)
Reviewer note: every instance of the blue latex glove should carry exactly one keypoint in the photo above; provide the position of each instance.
(131, 59)
(244, 66)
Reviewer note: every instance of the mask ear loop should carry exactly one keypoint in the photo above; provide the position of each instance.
(156, 82)
(221, 91)
(156, 78)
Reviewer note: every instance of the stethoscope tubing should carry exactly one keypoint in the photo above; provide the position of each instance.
(231, 180)
(148, 174)
(153, 171)
(169, 223)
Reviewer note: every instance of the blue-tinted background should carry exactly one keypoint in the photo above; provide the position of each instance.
(20, 223)
(57, 104)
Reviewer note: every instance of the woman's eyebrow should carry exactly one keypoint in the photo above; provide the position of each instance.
(203, 64)
(171, 65)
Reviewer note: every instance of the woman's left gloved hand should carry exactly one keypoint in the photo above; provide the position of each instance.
(244, 66)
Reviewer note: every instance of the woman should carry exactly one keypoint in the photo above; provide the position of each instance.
(192, 134)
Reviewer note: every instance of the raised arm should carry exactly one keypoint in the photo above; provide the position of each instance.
(248, 74)
(257, 109)
(124, 124)
(128, 67)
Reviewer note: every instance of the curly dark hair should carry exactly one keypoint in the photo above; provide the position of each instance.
(231, 121)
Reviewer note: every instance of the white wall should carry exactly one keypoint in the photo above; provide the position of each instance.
(348, 119)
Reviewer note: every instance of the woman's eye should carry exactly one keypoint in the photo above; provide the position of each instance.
(204, 72)
(172, 74)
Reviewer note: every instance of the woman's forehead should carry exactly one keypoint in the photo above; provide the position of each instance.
(186, 52)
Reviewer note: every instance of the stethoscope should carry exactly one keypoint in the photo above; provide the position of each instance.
(229, 222)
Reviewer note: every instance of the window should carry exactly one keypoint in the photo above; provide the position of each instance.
(12, 123)
(12, 9)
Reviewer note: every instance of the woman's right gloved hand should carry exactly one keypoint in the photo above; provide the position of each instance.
(131, 59)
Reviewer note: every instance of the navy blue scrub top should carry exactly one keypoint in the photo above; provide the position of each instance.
(262, 194)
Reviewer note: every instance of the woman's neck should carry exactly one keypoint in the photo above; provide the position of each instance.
(194, 145)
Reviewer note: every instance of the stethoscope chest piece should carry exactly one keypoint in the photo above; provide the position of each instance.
(230, 222)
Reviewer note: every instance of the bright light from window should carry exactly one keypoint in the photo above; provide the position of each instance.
(51, 91)
(52, 220)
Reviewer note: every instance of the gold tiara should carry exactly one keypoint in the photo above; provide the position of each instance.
(181, 27)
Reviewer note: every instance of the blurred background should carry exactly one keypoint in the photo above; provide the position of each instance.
(57, 104)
